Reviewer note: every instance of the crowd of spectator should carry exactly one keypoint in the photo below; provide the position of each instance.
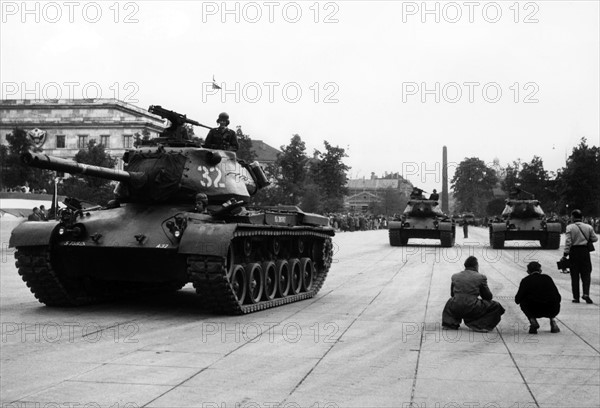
(357, 222)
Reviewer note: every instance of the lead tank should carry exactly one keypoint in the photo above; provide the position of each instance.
(161, 233)
(524, 220)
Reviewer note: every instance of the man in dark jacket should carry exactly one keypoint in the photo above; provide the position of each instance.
(471, 301)
(222, 137)
(538, 297)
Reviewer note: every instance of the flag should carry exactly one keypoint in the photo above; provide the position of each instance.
(214, 84)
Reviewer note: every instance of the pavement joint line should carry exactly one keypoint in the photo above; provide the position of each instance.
(518, 369)
(308, 304)
(341, 336)
(414, 384)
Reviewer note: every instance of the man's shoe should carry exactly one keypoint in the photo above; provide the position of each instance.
(554, 327)
(478, 330)
(534, 325)
(575, 300)
(587, 299)
(532, 329)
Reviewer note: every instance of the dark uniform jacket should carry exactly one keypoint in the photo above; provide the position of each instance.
(537, 288)
(224, 139)
(538, 296)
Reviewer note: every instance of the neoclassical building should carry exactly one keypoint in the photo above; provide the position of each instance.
(61, 127)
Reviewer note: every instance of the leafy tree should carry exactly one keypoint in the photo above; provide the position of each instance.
(392, 202)
(511, 176)
(312, 199)
(330, 174)
(579, 182)
(14, 172)
(472, 184)
(144, 135)
(92, 189)
(495, 207)
(534, 179)
(291, 162)
(245, 151)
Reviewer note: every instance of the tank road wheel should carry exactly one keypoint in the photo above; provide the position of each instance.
(552, 241)
(270, 280)
(308, 273)
(498, 240)
(295, 275)
(446, 239)
(238, 283)
(283, 278)
(255, 282)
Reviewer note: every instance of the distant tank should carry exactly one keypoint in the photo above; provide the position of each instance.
(524, 220)
(422, 219)
(179, 216)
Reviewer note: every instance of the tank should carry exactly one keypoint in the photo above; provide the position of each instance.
(422, 219)
(180, 216)
(524, 220)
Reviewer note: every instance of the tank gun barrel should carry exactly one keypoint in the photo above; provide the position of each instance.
(43, 161)
(176, 119)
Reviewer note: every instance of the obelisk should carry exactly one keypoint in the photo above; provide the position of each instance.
(445, 180)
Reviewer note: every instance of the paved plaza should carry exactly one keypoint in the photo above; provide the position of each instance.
(372, 337)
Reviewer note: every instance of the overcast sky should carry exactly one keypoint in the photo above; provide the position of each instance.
(512, 80)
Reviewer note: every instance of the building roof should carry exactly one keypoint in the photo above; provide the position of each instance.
(264, 152)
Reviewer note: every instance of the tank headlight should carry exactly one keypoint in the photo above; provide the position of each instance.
(61, 231)
(177, 233)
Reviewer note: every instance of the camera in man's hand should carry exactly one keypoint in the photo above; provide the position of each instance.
(563, 265)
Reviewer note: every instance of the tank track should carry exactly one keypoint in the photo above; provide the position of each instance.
(35, 268)
(209, 275)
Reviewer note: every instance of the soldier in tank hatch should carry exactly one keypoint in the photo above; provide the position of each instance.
(222, 137)
(434, 196)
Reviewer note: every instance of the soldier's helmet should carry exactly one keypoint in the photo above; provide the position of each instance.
(223, 117)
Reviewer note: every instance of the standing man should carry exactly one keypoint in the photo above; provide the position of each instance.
(222, 137)
(465, 227)
(434, 196)
(578, 235)
(471, 301)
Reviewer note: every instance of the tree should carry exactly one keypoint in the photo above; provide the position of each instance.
(579, 182)
(534, 179)
(330, 174)
(92, 189)
(472, 184)
(245, 151)
(140, 137)
(14, 172)
(392, 202)
(291, 162)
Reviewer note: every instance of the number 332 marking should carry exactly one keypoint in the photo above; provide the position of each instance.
(209, 178)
